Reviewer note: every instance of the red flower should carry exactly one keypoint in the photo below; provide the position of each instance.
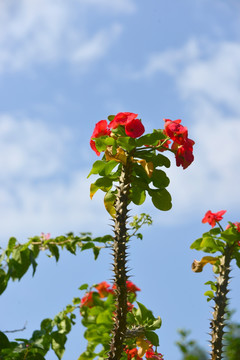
(165, 146)
(134, 128)
(184, 153)
(121, 119)
(104, 289)
(101, 129)
(150, 354)
(130, 306)
(132, 287)
(175, 131)
(87, 300)
(132, 353)
(212, 218)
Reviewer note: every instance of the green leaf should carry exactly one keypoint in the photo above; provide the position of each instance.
(161, 199)
(104, 141)
(161, 160)
(150, 139)
(212, 284)
(96, 251)
(152, 337)
(160, 179)
(156, 324)
(103, 167)
(3, 280)
(76, 301)
(109, 200)
(4, 342)
(54, 250)
(33, 262)
(209, 294)
(58, 342)
(143, 313)
(126, 143)
(215, 231)
(208, 244)
(103, 183)
(137, 195)
(11, 243)
(196, 244)
(88, 245)
(104, 318)
(83, 287)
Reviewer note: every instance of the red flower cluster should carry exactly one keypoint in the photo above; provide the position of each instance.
(132, 288)
(133, 127)
(212, 218)
(104, 289)
(150, 354)
(182, 145)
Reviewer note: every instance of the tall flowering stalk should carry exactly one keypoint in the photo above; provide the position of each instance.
(132, 160)
(227, 242)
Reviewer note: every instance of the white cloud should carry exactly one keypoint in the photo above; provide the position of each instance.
(30, 149)
(207, 77)
(38, 190)
(125, 6)
(46, 31)
(96, 47)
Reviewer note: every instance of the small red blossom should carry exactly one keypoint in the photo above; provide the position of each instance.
(130, 306)
(151, 354)
(121, 118)
(174, 130)
(134, 128)
(212, 218)
(132, 353)
(87, 300)
(101, 129)
(183, 153)
(132, 287)
(165, 146)
(104, 289)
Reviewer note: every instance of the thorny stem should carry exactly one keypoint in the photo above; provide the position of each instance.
(120, 271)
(218, 321)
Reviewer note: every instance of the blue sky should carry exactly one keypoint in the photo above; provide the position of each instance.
(63, 67)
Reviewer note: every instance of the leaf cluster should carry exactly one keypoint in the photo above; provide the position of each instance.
(51, 335)
(146, 175)
(17, 258)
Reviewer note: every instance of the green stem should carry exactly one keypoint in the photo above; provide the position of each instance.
(120, 271)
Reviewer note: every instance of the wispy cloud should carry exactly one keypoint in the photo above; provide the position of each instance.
(49, 31)
(207, 76)
(38, 189)
(119, 6)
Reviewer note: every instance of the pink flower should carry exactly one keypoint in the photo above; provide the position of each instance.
(212, 218)
(175, 131)
(134, 128)
(104, 289)
(101, 129)
(184, 153)
(121, 119)
(45, 236)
